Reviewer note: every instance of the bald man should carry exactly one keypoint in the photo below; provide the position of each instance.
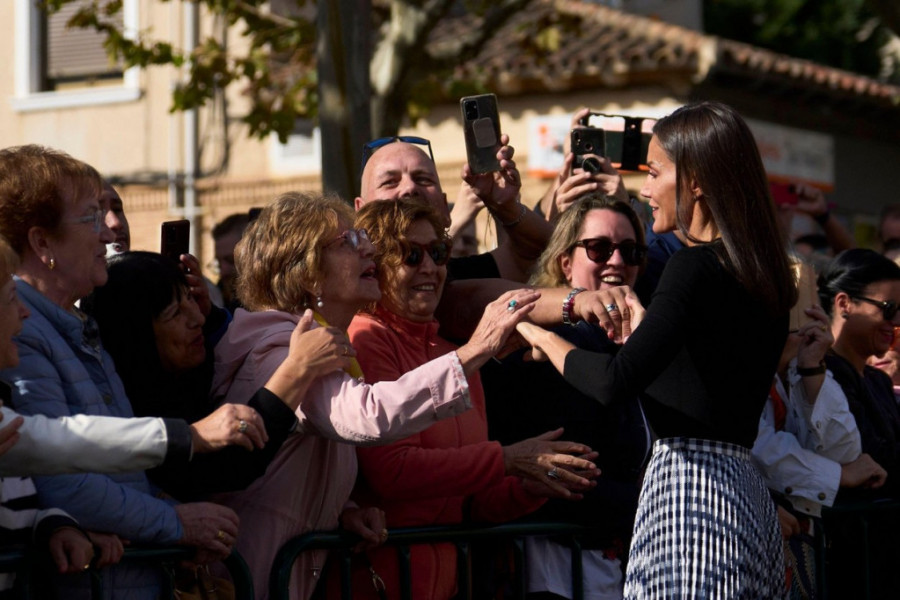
(400, 169)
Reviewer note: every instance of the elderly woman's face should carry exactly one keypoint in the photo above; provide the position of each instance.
(581, 271)
(417, 288)
(178, 330)
(350, 281)
(80, 248)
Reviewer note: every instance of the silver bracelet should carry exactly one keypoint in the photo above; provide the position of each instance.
(568, 304)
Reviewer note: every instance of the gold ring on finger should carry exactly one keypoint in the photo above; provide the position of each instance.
(220, 535)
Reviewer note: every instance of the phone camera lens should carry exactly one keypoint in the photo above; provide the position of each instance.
(471, 107)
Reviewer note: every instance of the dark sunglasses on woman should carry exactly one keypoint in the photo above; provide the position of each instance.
(438, 250)
(601, 249)
(888, 308)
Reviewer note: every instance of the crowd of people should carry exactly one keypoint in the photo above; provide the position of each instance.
(657, 381)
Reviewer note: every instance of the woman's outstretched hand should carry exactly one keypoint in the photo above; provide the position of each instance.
(229, 425)
(617, 310)
(545, 345)
(496, 325)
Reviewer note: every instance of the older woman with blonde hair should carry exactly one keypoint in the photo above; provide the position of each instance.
(302, 252)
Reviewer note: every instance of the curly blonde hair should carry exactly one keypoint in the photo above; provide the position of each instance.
(279, 259)
(387, 222)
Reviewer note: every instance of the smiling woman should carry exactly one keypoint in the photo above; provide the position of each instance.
(860, 290)
(450, 472)
(302, 252)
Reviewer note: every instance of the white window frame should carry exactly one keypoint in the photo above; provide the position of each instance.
(280, 164)
(28, 96)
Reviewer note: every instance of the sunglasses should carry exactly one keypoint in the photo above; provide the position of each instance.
(601, 250)
(438, 250)
(370, 147)
(353, 237)
(888, 308)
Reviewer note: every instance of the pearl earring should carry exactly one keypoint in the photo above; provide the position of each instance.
(52, 264)
(319, 302)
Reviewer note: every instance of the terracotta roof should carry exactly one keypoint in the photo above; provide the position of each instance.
(603, 47)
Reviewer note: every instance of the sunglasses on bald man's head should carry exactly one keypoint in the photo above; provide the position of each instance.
(600, 250)
(438, 250)
(370, 147)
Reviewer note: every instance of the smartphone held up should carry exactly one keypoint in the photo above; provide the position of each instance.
(623, 140)
(175, 239)
(481, 126)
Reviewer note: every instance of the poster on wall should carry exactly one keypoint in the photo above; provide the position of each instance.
(546, 136)
(795, 155)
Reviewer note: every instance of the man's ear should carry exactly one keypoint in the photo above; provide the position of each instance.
(357, 203)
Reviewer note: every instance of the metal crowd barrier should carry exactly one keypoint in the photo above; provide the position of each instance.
(866, 515)
(24, 564)
(403, 538)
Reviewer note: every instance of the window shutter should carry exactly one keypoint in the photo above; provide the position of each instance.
(74, 53)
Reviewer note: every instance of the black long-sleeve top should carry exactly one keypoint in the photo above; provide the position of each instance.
(525, 399)
(870, 397)
(702, 359)
(186, 396)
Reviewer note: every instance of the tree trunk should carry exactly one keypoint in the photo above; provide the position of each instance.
(342, 55)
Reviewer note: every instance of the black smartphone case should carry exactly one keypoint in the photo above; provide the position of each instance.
(481, 124)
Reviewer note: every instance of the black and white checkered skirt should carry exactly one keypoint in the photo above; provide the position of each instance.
(705, 528)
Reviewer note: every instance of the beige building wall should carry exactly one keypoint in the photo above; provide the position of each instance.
(139, 139)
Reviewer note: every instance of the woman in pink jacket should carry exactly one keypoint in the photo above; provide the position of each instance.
(450, 472)
(302, 253)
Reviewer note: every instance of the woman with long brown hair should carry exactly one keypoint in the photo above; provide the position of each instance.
(702, 360)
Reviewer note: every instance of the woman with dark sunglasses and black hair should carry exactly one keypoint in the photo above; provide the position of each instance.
(860, 291)
(449, 472)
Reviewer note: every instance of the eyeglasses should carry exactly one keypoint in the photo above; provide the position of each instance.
(370, 147)
(96, 219)
(888, 308)
(438, 250)
(353, 237)
(601, 250)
